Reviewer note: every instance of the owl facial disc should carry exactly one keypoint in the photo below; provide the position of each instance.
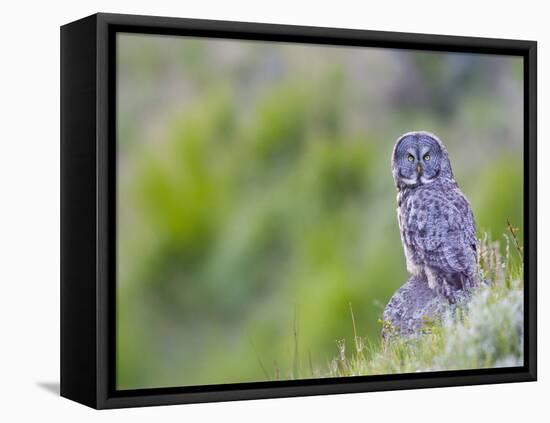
(419, 158)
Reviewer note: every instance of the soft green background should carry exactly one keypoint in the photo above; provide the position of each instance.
(256, 202)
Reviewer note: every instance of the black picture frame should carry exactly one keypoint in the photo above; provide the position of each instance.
(88, 198)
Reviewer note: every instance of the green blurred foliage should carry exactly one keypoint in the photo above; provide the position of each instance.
(256, 201)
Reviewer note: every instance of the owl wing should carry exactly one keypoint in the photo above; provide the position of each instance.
(441, 230)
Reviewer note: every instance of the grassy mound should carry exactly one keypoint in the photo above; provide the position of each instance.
(485, 333)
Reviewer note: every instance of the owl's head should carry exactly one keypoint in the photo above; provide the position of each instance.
(419, 158)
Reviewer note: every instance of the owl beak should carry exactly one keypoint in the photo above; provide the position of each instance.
(418, 169)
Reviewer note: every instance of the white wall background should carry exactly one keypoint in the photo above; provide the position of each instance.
(29, 209)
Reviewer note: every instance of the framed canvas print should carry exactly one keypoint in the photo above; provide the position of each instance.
(255, 211)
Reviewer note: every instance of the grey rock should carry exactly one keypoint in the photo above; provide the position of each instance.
(411, 308)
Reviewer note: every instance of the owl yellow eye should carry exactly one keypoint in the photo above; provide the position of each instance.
(410, 158)
(427, 157)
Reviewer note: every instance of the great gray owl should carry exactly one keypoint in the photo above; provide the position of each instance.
(436, 222)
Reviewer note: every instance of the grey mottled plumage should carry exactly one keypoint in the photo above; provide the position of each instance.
(435, 220)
